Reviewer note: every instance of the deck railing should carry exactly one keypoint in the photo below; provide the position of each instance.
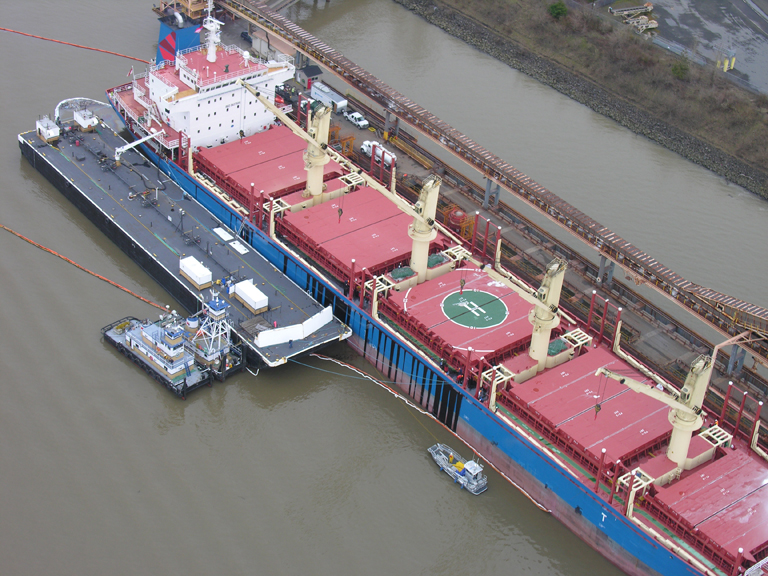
(256, 66)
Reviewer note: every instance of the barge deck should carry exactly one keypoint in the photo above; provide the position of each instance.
(157, 224)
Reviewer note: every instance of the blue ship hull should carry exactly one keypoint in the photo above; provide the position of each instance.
(567, 498)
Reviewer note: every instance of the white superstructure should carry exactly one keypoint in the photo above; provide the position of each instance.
(196, 100)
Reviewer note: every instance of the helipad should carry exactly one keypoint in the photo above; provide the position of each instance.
(474, 309)
(467, 308)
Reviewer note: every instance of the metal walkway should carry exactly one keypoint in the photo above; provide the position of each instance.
(728, 315)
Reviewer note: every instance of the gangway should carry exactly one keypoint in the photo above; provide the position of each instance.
(727, 315)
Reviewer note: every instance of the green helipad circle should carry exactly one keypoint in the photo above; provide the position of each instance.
(474, 309)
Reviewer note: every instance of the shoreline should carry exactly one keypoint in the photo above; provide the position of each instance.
(591, 95)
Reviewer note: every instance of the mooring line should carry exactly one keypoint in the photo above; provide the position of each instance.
(73, 44)
(75, 264)
(412, 405)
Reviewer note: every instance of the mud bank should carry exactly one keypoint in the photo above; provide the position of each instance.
(591, 95)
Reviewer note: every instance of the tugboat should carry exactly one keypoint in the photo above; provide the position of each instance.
(181, 355)
(468, 474)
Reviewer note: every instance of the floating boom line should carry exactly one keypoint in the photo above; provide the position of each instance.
(75, 45)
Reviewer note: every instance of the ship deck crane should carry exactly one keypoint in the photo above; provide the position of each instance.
(326, 151)
(685, 414)
(545, 318)
(123, 149)
(423, 213)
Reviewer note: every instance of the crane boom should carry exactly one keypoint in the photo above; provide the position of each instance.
(122, 149)
(685, 414)
(651, 391)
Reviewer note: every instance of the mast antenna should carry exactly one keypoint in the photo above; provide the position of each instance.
(213, 27)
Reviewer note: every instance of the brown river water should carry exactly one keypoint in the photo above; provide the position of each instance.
(306, 468)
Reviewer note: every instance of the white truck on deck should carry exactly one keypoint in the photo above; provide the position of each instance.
(368, 146)
(356, 118)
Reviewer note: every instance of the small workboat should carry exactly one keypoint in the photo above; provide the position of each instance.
(467, 474)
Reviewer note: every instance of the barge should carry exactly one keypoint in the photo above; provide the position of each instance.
(180, 244)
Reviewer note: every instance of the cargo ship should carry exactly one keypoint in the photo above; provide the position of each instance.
(643, 472)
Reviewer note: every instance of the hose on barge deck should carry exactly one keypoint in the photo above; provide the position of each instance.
(75, 264)
(75, 45)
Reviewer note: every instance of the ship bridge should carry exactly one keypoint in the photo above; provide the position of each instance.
(728, 315)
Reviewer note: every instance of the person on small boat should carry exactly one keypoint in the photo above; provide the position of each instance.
(458, 465)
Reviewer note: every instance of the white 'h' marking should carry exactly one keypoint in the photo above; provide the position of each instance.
(474, 308)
